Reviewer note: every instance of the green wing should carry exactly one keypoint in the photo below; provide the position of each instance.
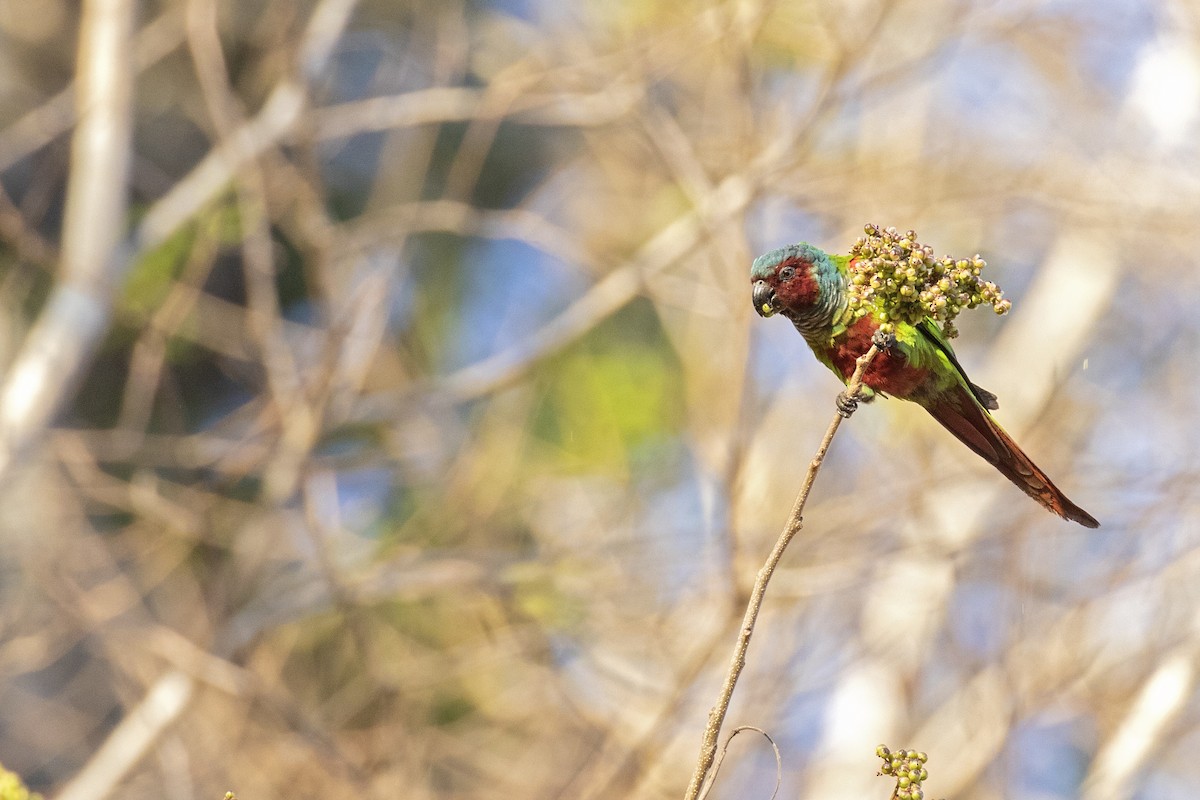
(932, 333)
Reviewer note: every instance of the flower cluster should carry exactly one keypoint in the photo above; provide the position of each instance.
(908, 767)
(897, 278)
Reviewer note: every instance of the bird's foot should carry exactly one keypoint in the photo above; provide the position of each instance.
(884, 341)
(846, 404)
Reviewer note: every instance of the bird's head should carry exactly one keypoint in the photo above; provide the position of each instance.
(789, 280)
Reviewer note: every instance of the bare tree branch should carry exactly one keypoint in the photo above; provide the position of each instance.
(38, 127)
(737, 662)
(76, 315)
(136, 735)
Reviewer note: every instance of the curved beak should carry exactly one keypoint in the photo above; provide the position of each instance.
(764, 299)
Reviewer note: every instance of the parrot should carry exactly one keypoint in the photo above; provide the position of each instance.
(811, 288)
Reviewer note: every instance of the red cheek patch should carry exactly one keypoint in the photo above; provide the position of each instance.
(801, 291)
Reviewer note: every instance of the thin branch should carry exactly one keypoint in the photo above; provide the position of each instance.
(133, 738)
(644, 746)
(442, 104)
(607, 296)
(1149, 719)
(399, 222)
(725, 751)
(275, 120)
(39, 126)
(737, 663)
(76, 315)
(258, 265)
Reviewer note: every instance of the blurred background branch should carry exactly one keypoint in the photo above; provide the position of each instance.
(74, 318)
(708, 764)
(381, 379)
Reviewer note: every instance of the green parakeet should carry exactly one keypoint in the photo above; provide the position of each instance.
(810, 288)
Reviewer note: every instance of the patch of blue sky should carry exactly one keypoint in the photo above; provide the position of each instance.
(369, 63)
(1160, 784)
(995, 90)
(976, 617)
(677, 527)
(776, 221)
(513, 289)
(350, 166)
(991, 90)
(1049, 757)
(780, 361)
(1112, 35)
(792, 85)
(802, 721)
(403, 288)
(528, 10)
(362, 497)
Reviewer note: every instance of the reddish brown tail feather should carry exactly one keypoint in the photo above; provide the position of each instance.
(974, 427)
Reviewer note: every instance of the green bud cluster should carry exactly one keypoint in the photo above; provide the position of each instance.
(897, 277)
(908, 768)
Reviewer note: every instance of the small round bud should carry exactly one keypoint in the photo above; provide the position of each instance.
(897, 278)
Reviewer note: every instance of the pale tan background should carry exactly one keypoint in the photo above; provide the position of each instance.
(383, 413)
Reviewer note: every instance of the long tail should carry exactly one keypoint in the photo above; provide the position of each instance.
(962, 415)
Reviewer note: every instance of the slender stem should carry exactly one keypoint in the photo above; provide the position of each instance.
(716, 717)
(71, 325)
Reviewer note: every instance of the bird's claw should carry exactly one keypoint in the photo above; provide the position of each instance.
(884, 341)
(846, 404)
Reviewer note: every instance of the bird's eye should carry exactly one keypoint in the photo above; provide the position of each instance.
(787, 273)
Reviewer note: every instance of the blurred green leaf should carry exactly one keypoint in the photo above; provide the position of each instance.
(619, 391)
(12, 788)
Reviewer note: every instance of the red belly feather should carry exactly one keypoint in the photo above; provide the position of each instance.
(888, 373)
